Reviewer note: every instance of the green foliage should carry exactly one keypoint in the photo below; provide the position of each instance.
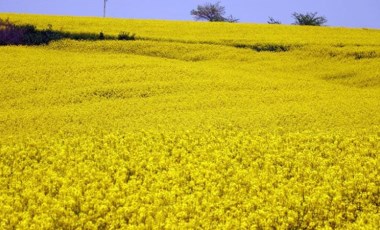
(101, 36)
(126, 36)
(11, 34)
(82, 36)
(309, 19)
(262, 47)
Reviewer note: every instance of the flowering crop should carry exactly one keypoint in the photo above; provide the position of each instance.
(210, 126)
(223, 33)
(215, 179)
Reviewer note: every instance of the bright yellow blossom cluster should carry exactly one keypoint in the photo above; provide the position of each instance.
(212, 179)
(193, 125)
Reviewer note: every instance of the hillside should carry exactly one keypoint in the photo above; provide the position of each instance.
(192, 125)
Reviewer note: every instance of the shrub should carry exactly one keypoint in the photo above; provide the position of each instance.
(126, 36)
(101, 36)
(273, 21)
(309, 19)
(82, 36)
(11, 34)
(266, 47)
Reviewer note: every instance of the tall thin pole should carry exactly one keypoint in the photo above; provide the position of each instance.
(104, 9)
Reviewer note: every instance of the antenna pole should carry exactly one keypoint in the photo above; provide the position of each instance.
(104, 9)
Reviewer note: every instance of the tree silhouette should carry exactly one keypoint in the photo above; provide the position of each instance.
(309, 19)
(212, 12)
(273, 21)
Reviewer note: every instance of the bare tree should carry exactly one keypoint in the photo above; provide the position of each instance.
(273, 21)
(309, 19)
(212, 12)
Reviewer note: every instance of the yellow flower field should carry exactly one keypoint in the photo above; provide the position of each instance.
(191, 126)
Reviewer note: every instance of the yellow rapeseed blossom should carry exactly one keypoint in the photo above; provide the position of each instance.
(191, 126)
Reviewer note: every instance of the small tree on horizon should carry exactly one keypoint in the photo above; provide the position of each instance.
(212, 12)
(309, 19)
(273, 21)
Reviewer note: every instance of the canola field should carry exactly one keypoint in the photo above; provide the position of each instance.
(191, 126)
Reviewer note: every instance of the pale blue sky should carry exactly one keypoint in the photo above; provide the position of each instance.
(347, 13)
